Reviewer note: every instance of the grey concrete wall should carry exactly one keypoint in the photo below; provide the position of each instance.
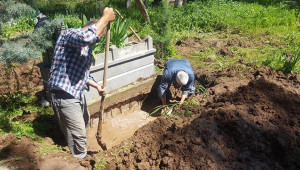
(125, 66)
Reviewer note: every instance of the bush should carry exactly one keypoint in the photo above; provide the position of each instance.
(10, 10)
(14, 52)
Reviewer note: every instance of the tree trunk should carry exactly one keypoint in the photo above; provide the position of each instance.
(143, 10)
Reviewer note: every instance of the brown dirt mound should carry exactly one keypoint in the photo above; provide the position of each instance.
(253, 126)
(25, 154)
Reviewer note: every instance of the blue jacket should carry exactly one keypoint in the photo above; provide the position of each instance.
(169, 76)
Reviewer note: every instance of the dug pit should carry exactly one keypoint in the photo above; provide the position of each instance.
(126, 110)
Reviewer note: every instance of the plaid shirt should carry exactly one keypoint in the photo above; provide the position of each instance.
(72, 60)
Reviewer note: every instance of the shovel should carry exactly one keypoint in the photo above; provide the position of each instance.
(99, 130)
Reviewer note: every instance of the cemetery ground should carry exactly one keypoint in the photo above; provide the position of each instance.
(242, 116)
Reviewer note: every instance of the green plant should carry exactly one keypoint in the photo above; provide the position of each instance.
(169, 107)
(23, 129)
(290, 62)
(119, 32)
(49, 148)
(203, 90)
(162, 29)
(100, 165)
(14, 52)
(117, 151)
(71, 21)
(118, 35)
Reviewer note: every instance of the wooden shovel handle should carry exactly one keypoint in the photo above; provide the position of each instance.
(99, 130)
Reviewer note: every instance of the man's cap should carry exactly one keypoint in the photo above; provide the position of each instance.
(182, 78)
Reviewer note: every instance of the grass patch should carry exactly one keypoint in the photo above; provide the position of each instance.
(50, 148)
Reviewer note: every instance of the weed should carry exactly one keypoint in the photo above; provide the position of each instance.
(203, 90)
(117, 151)
(169, 107)
(50, 148)
(100, 165)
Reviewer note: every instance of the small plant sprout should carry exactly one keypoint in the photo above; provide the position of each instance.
(203, 90)
(169, 109)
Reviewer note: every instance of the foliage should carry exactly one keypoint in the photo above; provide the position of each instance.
(70, 21)
(11, 105)
(90, 9)
(222, 14)
(21, 25)
(23, 129)
(285, 61)
(49, 148)
(119, 32)
(10, 10)
(15, 52)
(35, 45)
(162, 28)
(17, 104)
(99, 47)
(100, 164)
(44, 37)
(118, 35)
(262, 2)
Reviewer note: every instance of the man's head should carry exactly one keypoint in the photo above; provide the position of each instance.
(182, 78)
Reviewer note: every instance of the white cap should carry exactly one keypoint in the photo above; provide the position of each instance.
(182, 78)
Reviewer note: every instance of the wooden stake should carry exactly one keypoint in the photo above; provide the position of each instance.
(129, 26)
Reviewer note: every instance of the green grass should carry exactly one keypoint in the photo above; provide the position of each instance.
(46, 148)
(14, 105)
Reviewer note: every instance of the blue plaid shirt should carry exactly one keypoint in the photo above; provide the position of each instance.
(172, 67)
(72, 60)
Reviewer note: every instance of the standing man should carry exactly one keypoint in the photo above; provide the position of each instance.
(180, 73)
(70, 75)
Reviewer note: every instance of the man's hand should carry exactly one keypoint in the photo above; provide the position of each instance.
(99, 88)
(108, 14)
(183, 97)
(101, 91)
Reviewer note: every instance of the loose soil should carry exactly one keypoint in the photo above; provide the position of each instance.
(249, 120)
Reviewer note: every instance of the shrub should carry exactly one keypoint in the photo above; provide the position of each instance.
(10, 10)
(14, 52)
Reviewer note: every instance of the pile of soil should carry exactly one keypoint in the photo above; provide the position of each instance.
(24, 77)
(253, 124)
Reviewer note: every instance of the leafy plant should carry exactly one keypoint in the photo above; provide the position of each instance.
(100, 164)
(119, 32)
(21, 25)
(169, 107)
(118, 36)
(203, 90)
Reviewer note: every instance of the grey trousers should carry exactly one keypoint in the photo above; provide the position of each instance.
(73, 118)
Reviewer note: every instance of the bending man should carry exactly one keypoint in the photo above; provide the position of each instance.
(180, 73)
(70, 75)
